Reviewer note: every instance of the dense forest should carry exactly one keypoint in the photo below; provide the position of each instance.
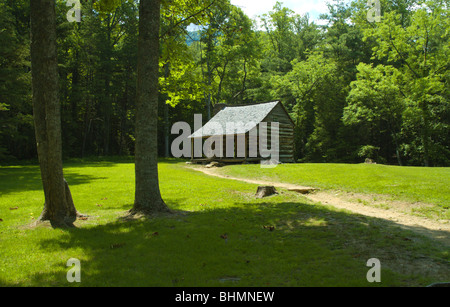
(355, 89)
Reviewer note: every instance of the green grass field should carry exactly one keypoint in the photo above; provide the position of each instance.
(311, 245)
(412, 184)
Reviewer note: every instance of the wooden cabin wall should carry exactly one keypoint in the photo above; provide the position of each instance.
(286, 133)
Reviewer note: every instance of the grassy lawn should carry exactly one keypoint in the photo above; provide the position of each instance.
(413, 184)
(311, 245)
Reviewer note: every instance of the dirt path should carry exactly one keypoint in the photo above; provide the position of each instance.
(363, 204)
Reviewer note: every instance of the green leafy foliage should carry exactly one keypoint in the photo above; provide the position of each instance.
(347, 84)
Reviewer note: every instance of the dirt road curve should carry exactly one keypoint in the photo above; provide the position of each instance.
(363, 204)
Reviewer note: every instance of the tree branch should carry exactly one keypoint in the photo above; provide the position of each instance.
(401, 56)
(187, 18)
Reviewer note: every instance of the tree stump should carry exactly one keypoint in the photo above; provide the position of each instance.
(265, 191)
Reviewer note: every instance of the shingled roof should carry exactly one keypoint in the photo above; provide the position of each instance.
(244, 118)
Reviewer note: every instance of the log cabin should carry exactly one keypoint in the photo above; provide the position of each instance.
(241, 132)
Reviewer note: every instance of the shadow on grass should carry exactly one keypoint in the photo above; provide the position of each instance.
(308, 246)
(28, 178)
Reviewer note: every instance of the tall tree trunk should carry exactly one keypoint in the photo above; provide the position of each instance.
(426, 134)
(147, 195)
(209, 49)
(208, 100)
(59, 208)
(166, 118)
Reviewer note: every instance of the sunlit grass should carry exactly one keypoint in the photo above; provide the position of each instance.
(413, 184)
(310, 245)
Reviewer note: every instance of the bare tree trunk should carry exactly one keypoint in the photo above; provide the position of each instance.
(59, 208)
(208, 102)
(148, 198)
(166, 118)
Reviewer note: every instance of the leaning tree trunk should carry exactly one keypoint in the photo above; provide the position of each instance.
(147, 194)
(59, 208)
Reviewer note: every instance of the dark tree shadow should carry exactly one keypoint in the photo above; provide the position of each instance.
(308, 246)
(28, 178)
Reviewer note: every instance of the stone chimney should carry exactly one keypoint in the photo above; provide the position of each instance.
(219, 107)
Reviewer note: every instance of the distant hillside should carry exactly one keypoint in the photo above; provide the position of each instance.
(192, 37)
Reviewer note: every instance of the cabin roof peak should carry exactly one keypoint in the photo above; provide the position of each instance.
(236, 119)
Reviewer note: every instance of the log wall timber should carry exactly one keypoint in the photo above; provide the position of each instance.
(251, 150)
(285, 131)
